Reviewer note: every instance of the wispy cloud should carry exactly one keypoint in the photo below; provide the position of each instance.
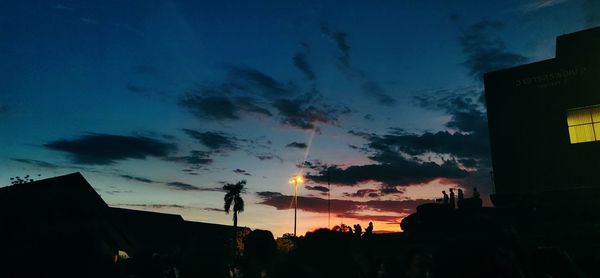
(301, 63)
(62, 7)
(136, 178)
(536, 5)
(340, 40)
(88, 20)
(187, 187)
(368, 85)
(151, 206)
(214, 140)
(486, 52)
(37, 163)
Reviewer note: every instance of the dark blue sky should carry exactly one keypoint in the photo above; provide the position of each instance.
(158, 103)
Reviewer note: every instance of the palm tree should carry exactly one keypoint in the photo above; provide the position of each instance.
(232, 196)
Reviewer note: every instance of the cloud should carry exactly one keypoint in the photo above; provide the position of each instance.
(592, 13)
(469, 145)
(535, 5)
(151, 206)
(404, 159)
(369, 86)
(268, 194)
(467, 116)
(242, 172)
(211, 107)
(247, 91)
(300, 113)
(374, 90)
(317, 188)
(105, 149)
(484, 51)
(338, 206)
(181, 186)
(214, 209)
(297, 145)
(227, 101)
(250, 79)
(187, 187)
(394, 171)
(197, 159)
(268, 156)
(250, 105)
(140, 179)
(215, 141)
(88, 20)
(342, 45)
(62, 7)
(301, 63)
(443, 142)
(361, 193)
(369, 217)
(36, 163)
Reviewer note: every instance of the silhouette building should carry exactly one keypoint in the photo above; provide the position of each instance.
(544, 124)
(61, 226)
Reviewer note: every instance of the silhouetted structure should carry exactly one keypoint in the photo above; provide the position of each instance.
(259, 253)
(542, 120)
(546, 219)
(60, 227)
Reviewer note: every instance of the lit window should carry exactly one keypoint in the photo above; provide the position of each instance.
(584, 124)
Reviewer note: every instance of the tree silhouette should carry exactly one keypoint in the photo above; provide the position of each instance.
(233, 197)
(18, 180)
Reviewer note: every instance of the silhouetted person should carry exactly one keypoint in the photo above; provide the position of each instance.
(350, 230)
(369, 229)
(445, 197)
(357, 230)
(461, 197)
(476, 193)
(452, 202)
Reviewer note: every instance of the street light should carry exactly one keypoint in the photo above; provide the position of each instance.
(295, 180)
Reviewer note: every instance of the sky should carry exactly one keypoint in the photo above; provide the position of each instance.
(160, 103)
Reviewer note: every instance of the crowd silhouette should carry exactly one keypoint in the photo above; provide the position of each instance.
(459, 202)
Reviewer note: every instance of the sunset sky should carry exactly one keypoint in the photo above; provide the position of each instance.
(160, 103)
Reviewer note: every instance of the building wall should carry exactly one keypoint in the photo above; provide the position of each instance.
(527, 115)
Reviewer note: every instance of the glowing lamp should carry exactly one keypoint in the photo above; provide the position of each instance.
(296, 180)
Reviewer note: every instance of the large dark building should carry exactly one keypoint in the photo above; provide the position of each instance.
(544, 123)
(60, 227)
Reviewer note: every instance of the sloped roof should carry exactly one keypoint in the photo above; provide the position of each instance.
(68, 196)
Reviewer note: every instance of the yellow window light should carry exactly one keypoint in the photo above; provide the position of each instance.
(581, 133)
(578, 117)
(584, 124)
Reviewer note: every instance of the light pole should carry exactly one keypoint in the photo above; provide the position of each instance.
(295, 180)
